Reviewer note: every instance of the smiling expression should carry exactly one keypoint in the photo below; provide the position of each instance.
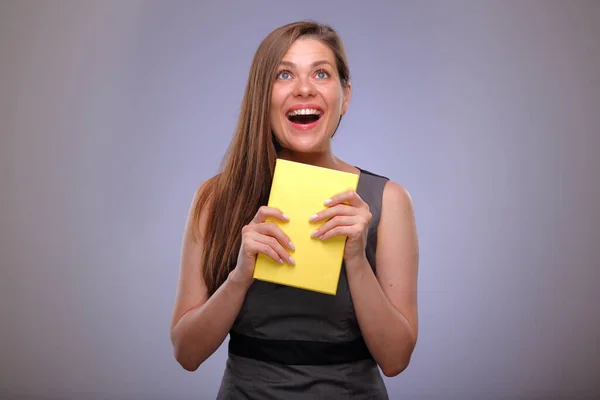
(308, 98)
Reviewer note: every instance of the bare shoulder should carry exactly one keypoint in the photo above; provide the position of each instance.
(397, 227)
(202, 190)
(398, 251)
(396, 198)
(196, 219)
(191, 289)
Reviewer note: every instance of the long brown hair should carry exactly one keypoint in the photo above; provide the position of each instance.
(243, 185)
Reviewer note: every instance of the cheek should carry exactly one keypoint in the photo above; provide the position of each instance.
(336, 100)
(276, 119)
(276, 107)
(336, 109)
(274, 113)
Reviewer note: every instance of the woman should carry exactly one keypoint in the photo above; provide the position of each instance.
(285, 342)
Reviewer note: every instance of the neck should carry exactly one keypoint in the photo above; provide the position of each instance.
(324, 159)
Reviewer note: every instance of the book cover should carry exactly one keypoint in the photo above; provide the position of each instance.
(299, 191)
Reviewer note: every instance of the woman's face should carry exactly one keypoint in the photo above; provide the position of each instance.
(308, 98)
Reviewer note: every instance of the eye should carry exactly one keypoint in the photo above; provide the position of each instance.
(283, 75)
(322, 74)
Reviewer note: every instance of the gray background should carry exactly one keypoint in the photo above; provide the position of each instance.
(112, 113)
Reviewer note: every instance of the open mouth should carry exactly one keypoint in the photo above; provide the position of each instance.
(304, 116)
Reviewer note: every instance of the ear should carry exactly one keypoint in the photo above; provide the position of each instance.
(347, 93)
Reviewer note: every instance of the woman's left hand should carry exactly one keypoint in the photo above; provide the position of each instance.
(346, 215)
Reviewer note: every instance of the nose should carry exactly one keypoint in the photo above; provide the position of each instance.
(304, 87)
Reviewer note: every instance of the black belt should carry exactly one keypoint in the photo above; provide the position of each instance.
(298, 352)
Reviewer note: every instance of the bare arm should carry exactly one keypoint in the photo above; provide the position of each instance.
(386, 303)
(200, 323)
(202, 329)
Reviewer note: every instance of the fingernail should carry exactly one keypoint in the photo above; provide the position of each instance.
(286, 217)
(280, 261)
(314, 233)
(313, 217)
(326, 202)
(291, 246)
(292, 260)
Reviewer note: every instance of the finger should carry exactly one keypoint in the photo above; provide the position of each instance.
(346, 230)
(271, 229)
(270, 241)
(265, 212)
(349, 196)
(267, 250)
(333, 223)
(340, 209)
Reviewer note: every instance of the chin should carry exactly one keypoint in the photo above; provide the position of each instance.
(305, 142)
(311, 138)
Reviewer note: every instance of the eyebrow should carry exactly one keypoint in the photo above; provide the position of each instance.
(313, 65)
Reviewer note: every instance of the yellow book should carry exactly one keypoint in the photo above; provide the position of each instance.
(299, 191)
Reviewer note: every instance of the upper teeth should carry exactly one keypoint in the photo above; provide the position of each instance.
(304, 111)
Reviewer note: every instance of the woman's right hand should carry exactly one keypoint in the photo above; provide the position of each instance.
(262, 237)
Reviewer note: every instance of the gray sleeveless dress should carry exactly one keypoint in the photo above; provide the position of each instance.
(290, 344)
